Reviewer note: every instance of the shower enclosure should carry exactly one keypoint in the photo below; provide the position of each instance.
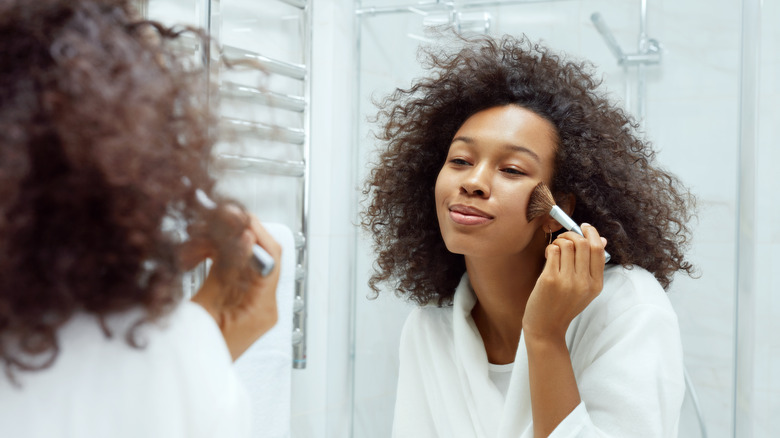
(699, 76)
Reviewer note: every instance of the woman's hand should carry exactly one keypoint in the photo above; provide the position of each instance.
(241, 301)
(572, 277)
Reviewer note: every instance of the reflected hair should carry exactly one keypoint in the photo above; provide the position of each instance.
(106, 137)
(641, 209)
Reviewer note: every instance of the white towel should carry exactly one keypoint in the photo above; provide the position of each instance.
(266, 367)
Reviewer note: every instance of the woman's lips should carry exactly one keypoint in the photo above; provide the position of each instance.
(465, 215)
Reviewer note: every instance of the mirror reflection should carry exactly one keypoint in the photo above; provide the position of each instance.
(686, 98)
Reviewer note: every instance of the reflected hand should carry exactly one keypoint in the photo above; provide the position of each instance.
(242, 302)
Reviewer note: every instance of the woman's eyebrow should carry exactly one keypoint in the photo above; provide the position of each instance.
(510, 146)
(525, 150)
(463, 138)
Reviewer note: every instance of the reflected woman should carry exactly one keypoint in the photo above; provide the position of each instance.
(522, 331)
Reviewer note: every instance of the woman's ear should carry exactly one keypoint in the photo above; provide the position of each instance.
(566, 203)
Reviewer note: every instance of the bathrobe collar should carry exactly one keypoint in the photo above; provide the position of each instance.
(491, 414)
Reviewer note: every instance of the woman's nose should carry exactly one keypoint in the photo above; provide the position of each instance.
(476, 182)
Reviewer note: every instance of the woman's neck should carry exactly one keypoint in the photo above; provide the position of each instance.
(502, 287)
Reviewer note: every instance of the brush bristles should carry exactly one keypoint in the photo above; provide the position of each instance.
(541, 202)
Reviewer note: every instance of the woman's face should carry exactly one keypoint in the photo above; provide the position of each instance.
(495, 160)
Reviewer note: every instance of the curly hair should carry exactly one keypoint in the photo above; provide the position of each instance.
(642, 210)
(105, 139)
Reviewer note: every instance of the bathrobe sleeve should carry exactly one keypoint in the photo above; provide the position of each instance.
(627, 357)
(413, 416)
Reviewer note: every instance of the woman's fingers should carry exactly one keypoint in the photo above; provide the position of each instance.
(596, 245)
(582, 259)
(582, 255)
(264, 239)
(567, 249)
(234, 216)
(194, 251)
(553, 255)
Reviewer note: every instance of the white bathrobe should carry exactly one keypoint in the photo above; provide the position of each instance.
(182, 384)
(625, 350)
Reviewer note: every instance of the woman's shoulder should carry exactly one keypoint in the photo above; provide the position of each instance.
(193, 321)
(429, 317)
(427, 324)
(627, 288)
(631, 310)
(186, 335)
(181, 360)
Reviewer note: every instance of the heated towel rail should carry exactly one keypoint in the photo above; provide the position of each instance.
(269, 117)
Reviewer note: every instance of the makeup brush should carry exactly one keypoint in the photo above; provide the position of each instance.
(542, 202)
(261, 261)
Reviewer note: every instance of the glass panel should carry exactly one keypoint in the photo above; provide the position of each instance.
(691, 102)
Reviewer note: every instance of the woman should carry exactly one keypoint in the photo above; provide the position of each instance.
(522, 330)
(102, 161)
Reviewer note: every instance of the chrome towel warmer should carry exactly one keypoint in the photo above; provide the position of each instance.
(210, 19)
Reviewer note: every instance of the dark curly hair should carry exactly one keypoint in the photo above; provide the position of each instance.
(105, 139)
(642, 210)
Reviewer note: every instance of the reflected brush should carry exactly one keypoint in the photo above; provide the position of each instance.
(261, 261)
(542, 202)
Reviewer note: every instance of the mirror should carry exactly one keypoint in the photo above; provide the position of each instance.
(705, 98)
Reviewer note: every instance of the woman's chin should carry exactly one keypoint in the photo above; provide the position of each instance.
(486, 249)
(475, 248)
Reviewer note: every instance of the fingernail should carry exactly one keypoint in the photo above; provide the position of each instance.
(585, 224)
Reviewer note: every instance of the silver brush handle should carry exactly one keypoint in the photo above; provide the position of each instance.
(262, 262)
(568, 223)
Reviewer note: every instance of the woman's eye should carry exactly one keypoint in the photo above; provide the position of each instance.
(513, 171)
(459, 161)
